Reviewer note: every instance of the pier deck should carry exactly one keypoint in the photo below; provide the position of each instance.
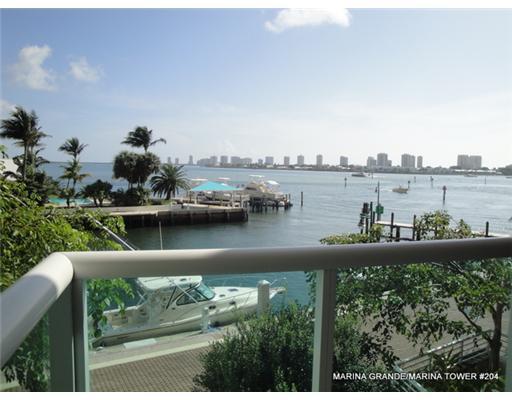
(185, 214)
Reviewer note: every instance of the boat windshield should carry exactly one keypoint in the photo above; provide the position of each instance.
(196, 294)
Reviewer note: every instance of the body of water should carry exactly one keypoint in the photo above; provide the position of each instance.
(329, 208)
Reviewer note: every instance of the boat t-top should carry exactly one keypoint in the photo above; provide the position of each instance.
(258, 188)
(169, 305)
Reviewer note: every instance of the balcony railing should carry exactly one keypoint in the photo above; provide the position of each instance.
(57, 285)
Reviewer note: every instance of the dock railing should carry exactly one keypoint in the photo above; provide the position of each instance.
(58, 285)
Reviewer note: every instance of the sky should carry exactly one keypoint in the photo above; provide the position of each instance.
(256, 83)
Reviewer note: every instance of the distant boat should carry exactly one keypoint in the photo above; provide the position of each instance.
(359, 175)
(400, 189)
(470, 175)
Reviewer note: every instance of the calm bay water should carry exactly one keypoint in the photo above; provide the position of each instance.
(329, 208)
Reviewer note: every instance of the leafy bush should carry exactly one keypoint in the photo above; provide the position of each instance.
(29, 234)
(135, 196)
(274, 352)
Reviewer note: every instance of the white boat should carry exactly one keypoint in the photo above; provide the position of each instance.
(400, 189)
(359, 175)
(171, 305)
(258, 188)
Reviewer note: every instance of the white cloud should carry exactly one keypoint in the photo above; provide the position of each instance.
(29, 70)
(293, 18)
(5, 107)
(81, 70)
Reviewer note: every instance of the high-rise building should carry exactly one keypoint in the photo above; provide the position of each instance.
(190, 160)
(382, 160)
(343, 161)
(419, 162)
(389, 163)
(371, 162)
(169, 160)
(214, 160)
(235, 160)
(269, 160)
(300, 160)
(319, 160)
(475, 162)
(224, 160)
(286, 161)
(469, 162)
(246, 161)
(260, 161)
(408, 161)
(177, 161)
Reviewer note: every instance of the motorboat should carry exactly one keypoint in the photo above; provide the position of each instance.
(169, 305)
(400, 189)
(258, 188)
(470, 175)
(359, 175)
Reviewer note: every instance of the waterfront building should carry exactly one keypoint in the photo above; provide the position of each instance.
(408, 161)
(246, 161)
(214, 160)
(169, 160)
(319, 160)
(419, 162)
(260, 161)
(286, 161)
(224, 160)
(190, 160)
(382, 160)
(343, 161)
(269, 160)
(475, 162)
(465, 161)
(371, 162)
(176, 161)
(235, 160)
(389, 163)
(300, 160)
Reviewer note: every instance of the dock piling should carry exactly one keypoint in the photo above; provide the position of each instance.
(301, 199)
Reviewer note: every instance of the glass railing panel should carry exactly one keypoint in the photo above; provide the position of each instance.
(28, 369)
(200, 333)
(423, 327)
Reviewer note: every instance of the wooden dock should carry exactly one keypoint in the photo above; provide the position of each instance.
(185, 214)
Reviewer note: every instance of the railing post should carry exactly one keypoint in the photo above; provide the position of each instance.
(80, 335)
(263, 296)
(508, 366)
(323, 345)
(62, 377)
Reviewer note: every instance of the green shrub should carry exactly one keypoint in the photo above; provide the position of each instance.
(274, 352)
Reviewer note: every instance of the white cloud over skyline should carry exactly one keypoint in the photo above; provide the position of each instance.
(81, 70)
(294, 18)
(29, 70)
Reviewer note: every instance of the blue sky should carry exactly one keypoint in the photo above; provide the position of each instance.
(266, 82)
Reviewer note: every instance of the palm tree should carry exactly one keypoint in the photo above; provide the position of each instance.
(169, 180)
(73, 147)
(141, 136)
(24, 129)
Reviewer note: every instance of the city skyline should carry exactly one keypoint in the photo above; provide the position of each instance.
(382, 160)
(376, 80)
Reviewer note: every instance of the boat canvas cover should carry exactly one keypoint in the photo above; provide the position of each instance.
(213, 187)
(151, 284)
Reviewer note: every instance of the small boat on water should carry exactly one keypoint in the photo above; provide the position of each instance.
(169, 305)
(359, 175)
(400, 189)
(470, 175)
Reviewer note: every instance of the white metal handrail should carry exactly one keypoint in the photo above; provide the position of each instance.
(23, 304)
